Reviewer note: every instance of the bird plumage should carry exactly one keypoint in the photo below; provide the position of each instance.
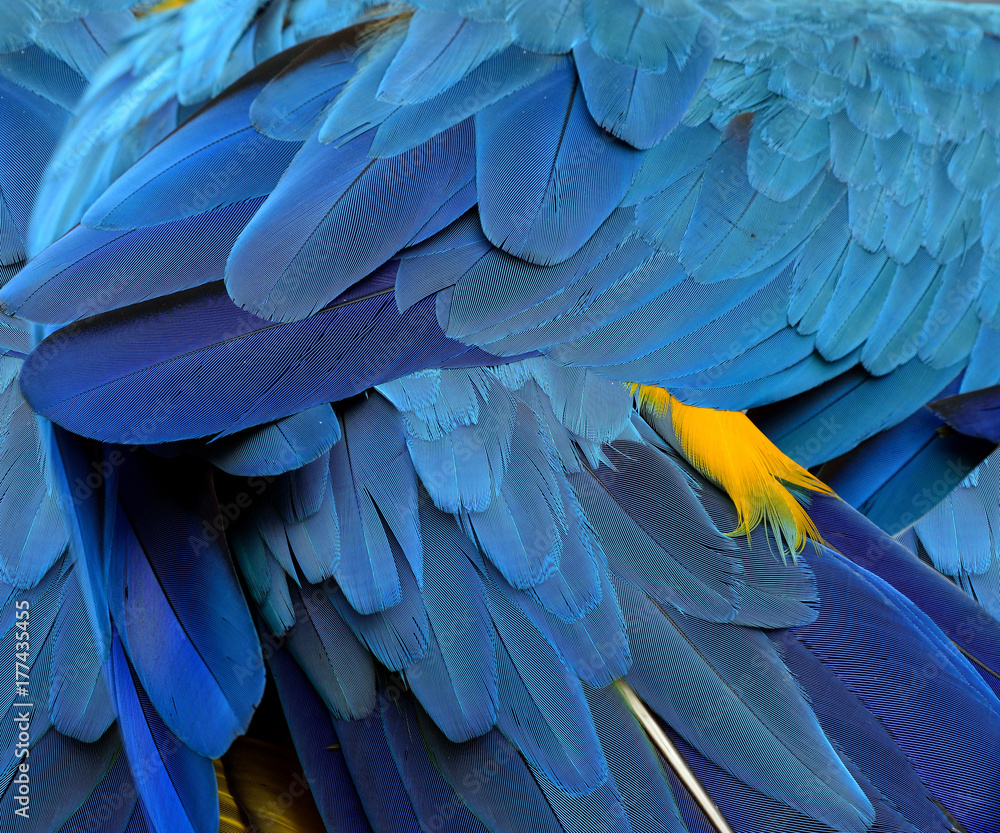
(372, 379)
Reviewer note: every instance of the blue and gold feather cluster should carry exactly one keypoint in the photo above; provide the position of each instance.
(323, 474)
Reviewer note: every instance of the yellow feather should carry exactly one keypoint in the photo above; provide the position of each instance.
(731, 451)
(231, 818)
(267, 783)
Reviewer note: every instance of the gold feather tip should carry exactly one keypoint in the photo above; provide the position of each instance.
(728, 449)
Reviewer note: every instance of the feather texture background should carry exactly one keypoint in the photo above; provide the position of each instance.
(370, 416)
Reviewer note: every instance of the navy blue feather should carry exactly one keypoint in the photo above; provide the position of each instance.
(178, 607)
(867, 634)
(317, 746)
(176, 786)
(976, 413)
(971, 628)
(91, 390)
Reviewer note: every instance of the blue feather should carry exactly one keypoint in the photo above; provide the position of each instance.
(299, 493)
(701, 684)
(399, 635)
(542, 206)
(439, 51)
(502, 75)
(171, 583)
(523, 528)
(318, 747)
(202, 165)
(498, 285)
(375, 520)
(274, 268)
(456, 682)
(507, 804)
(542, 708)
(973, 630)
(383, 794)
(330, 655)
(63, 773)
(35, 533)
(69, 279)
(428, 790)
(209, 335)
(858, 733)
(642, 107)
(553, 27)
(79, 699)
(656, 534)
(114, 804)
(291, 443)
(651, 38)
(180, 794)
(975, 413)
(861, 611)
(290, 103)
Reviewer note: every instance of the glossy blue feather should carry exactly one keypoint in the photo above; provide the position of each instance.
(181, 794)
(209, 338)
(317, 747)
(171, 582)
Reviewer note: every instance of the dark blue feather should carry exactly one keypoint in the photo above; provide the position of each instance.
(176, 786)
(971, 628)
(546, 174)
(859, 734)
(869, 636)
(427, 788)
(318, 747)
(78, 383)
(178, 606)
(976, 413)
(383, 794)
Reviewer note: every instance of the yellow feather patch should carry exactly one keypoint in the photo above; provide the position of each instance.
(731, 451)
(267, 783)
(231, 818)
